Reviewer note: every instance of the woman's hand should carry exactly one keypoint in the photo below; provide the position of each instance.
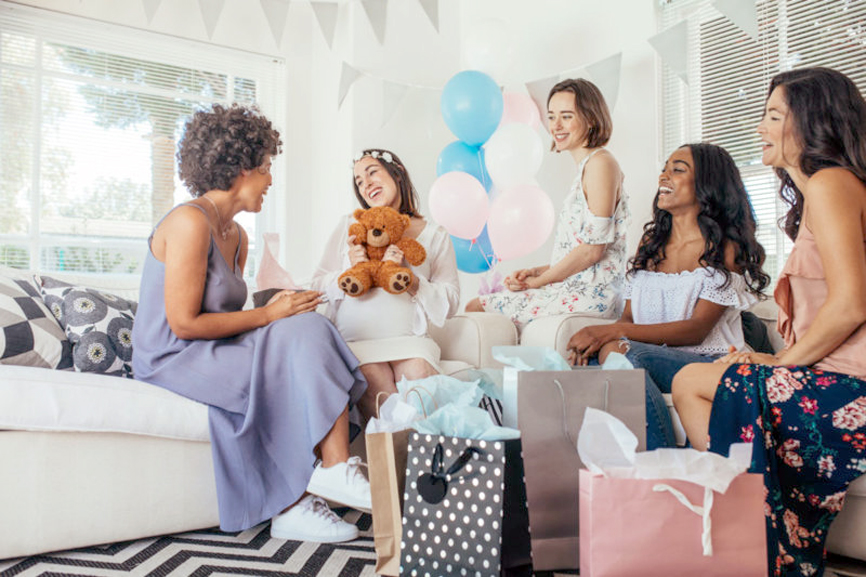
(585, 343)
(288, 302)
(393, 254)
(357, 252)
(735, 357)
(517, 281)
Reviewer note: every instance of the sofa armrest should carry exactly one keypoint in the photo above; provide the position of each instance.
(555, 331)
(468, 337)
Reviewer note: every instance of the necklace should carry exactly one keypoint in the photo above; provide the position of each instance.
(224, 231)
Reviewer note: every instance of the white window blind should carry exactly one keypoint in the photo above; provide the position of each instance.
(729, 74)
(90, 115)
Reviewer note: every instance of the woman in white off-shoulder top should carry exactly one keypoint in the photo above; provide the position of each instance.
(388, 332)
(698, 265)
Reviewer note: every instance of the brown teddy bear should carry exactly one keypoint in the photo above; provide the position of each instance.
(378, 228)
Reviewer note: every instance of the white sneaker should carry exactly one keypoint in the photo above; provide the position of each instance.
(312, 520)
(344, 483)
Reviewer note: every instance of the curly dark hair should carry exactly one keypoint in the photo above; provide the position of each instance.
(397, 170)
(829, 121)
(219, 142)
(725, 216)
(591, 107)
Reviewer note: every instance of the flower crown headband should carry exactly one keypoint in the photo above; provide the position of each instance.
(378, 155)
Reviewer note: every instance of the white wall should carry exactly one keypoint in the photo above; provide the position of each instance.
(550, 37)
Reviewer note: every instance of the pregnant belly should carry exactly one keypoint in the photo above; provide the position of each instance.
(375, 315)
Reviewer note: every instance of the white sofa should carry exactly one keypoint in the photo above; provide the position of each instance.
(93, 459)
(847, 534)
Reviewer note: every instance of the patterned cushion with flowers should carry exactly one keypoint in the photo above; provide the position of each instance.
(98, 324)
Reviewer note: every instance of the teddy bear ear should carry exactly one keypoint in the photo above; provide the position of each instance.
(405, 219)
(359, 213)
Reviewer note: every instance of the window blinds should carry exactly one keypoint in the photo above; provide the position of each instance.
(729, 73)
(90, 114)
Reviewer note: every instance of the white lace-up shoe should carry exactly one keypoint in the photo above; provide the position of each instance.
(312, 520)
(344, 483)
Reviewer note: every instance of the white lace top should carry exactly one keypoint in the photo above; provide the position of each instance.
(658, 297)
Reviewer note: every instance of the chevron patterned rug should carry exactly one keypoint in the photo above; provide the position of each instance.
(210, 552)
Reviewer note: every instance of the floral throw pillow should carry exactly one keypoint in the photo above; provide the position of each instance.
(98, 324)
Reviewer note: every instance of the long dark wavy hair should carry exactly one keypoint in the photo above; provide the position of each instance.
(829, 121)
(397, 170)
(725, 216)
(219, 142)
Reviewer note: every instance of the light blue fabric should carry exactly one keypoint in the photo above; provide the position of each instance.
(273, 392)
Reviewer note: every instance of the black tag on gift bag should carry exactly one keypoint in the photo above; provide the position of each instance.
(454, 516)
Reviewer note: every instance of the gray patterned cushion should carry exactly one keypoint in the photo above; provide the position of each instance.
(29, 335)
(98, 324)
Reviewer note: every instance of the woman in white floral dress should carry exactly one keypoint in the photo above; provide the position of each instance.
(587, 266)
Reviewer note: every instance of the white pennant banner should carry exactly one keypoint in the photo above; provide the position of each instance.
(431, 8)
(348, 76)
(392, 95)
(605, 75)
(743, 13)
(377, 13)
(210, 13)
(326, 16)
(538, 91)
(672, 45)
(276, 12)
(150, 7)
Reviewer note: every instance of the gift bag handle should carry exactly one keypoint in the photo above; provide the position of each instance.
(565, 413)
(417, 390)
(704, 512)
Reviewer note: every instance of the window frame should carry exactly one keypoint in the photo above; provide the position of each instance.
(45, 26)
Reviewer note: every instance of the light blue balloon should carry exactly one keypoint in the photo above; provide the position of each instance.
(472, 106)
(460, 157)
(474, 257)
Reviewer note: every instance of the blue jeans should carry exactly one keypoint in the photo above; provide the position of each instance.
(660, 363)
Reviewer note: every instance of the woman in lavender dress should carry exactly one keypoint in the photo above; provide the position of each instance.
(278, 379)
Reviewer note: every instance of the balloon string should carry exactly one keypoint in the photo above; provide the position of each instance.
(483, 171)
(491, 262)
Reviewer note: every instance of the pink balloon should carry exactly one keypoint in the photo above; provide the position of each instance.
(518, 107)
(459, 203)
(521, 219)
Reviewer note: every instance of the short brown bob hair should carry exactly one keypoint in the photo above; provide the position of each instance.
(591, 106)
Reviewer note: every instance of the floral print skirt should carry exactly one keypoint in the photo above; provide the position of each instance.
(808, 433)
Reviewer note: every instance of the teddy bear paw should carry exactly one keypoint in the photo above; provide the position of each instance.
(400, 282)
(351, 286)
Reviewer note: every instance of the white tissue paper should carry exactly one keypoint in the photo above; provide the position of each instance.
(394, 415)
(606, 446)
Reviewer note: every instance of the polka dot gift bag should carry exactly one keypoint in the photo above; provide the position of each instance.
(464, 510)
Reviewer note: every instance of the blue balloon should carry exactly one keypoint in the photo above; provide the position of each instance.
(474, 257)
(460, 157)
(472, 106)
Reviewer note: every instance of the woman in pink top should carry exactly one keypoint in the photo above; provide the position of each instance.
(803, 409)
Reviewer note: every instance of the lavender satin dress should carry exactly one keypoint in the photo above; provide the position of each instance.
(273, 392)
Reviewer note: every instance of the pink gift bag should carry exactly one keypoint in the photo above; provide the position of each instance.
(655, 528)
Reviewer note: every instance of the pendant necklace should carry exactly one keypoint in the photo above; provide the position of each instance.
(224, 232)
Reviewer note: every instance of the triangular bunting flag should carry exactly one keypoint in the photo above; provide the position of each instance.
(348, 76)
(605, 75)
(672, 46)
(150, 7)
(538, 91)
(276, 12)
(392, 95)
(742, 13)
(326, 15)
(210, 13)
(431, 7)
(377, 12)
